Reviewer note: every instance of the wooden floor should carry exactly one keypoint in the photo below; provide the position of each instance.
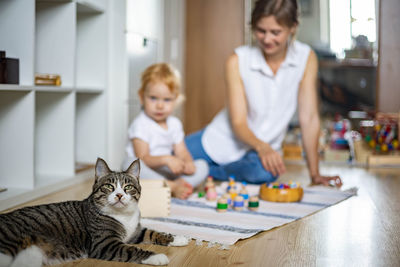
(361, 231)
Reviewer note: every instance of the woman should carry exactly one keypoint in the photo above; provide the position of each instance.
(264, 85)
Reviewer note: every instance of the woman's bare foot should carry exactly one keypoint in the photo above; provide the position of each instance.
(180, 188)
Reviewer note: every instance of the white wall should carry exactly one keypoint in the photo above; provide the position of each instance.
(146, 18)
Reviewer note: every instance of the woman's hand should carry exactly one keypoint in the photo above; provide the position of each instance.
(189, 168)
(176, 165)
(327, 180)
(271, 160)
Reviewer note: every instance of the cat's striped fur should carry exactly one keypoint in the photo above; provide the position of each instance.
(103, 226)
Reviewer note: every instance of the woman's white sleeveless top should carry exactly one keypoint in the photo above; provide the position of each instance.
(271, 102)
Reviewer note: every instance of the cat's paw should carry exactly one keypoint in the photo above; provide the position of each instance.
(157, 259)
(179, 241)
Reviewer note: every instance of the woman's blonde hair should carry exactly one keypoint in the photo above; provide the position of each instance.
(160, 72)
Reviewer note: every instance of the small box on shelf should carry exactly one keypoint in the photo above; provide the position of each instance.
(9, 69)
(48, 79)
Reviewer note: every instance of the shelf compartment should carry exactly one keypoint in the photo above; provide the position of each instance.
(90, 128)
(17, 31)
(90, 6)
(54, 134)
(55, 40)
(91, 50)
(16, 139)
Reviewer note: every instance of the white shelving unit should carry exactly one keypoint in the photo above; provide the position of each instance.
(45, 131)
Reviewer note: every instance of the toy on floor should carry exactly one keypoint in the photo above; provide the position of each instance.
(211, 194)
(339, 128)
(222, 205)
(254, 203)
(281, 192)
(231, 182)
(209, 183)
(243, 192)
(232, 188)
(226, 202)
(232, 192)
(228, 198)
(238, 203)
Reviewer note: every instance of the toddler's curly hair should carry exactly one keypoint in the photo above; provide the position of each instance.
(160, 72)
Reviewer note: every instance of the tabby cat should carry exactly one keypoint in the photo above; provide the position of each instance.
(102, 226)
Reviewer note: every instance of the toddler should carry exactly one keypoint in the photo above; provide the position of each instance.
(157, 138)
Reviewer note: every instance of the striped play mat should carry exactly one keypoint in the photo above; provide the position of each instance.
(197, 218)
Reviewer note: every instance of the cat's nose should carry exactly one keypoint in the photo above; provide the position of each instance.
(119, 196)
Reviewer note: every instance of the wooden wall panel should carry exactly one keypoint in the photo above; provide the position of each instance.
(214, 28)
(388, 91)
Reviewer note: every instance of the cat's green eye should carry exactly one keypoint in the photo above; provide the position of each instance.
(128, 187)
(109, 186)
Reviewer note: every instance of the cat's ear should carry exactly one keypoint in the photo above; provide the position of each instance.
(101, 168)
(134, 169)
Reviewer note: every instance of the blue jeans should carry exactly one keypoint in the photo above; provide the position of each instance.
(249, 168)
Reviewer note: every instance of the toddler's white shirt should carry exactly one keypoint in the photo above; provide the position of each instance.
(161, 141)
(271, 102)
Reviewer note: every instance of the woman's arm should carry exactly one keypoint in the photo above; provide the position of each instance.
(310, 122)
(142, 151)
(237, 107)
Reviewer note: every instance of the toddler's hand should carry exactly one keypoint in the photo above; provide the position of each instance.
(175, 164)
(189, 168)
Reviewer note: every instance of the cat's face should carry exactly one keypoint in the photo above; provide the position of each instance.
(116, 191)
